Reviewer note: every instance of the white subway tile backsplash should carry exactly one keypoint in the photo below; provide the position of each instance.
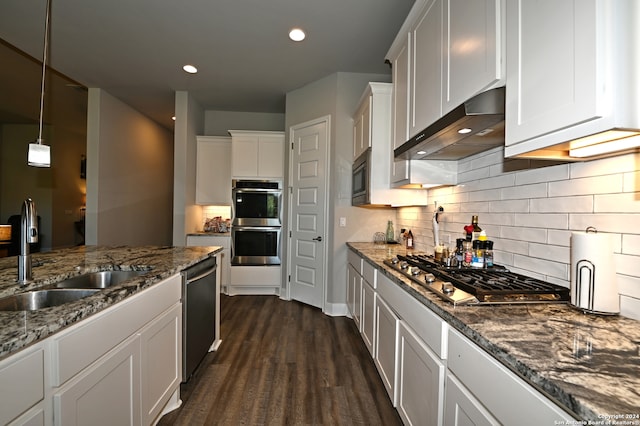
(631, 182)
(549, 252)
(548, 220)
(530, 213)
(558, 237)
(536, 265)
(620, 223)
(607, 166)
(628, 202)
(577, 204)
(534, 235)
(631, 244)
(511, 206)
(543, 174)
(589, 185)
(536, 190)
(489, 194)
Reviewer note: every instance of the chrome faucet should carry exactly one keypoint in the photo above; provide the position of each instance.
(28, 234)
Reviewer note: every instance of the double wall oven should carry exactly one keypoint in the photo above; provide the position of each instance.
(256, 227)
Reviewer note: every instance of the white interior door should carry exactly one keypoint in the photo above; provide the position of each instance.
(308, 240)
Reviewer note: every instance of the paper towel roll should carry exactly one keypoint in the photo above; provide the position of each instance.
(594, 286)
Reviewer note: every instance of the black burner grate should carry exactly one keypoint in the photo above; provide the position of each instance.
(494, 284)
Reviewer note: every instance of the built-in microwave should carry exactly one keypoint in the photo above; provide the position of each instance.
(361, 178)
(256, 203)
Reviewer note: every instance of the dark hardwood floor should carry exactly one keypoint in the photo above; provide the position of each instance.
(284, 363)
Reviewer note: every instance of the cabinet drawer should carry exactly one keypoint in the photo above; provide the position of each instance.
(21, 383)
(427, 325)
(355, 260)
(369, 273)
(97, 335)
(509, 398)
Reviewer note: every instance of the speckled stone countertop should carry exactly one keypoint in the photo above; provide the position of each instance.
(588, 364)
(22, 328)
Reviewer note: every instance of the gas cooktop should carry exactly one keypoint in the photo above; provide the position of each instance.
(466, 285)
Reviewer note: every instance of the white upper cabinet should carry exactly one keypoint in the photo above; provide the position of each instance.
(572, 71)
(455, 50)
(257, 154)
(425, 64)
(372, 129)
(213, 170)
(474, 49)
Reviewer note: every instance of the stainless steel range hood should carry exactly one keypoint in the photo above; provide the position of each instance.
(482, 116)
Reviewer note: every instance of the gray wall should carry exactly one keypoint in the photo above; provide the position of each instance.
(218, 123)
(129, 175)
(337, 96)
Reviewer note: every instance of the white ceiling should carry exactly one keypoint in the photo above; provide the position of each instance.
(135, 49)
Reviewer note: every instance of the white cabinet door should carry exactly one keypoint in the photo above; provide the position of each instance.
(426, 72)
(420, 380)
(472, 49)
(161, 345)
(213, 170)
(21, 382)
(362, 128)
(462, 409)
(105, 394)
(569, 74)
(352, 276)
(386, 339)
(257, 154)
(553, 75)
(367, 321)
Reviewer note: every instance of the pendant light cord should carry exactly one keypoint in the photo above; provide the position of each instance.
(44, 67)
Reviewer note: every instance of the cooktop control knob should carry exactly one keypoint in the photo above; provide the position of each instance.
(415, 271)
(448, 288)
(394, 260)
(429, 278)
(404, 265)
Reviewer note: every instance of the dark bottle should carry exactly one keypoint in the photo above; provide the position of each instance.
(409, 240)
(475, 234)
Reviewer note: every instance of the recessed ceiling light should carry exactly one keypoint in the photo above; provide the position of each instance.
(296, 34)
(464, 131)
(190, 69)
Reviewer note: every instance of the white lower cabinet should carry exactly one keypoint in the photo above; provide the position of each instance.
(462, 408)
(485, 385)
(255, 280)
(121, 366)
(386, 340)
(161, 348)
(27, 371)
(107, 393)
(420, 380)
(367, 321)
(352, 278)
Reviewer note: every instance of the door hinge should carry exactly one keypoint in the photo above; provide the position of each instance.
(290, 234)
(291, 146)
(289, 278)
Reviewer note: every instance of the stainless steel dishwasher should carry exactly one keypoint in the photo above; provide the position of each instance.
(198, 314)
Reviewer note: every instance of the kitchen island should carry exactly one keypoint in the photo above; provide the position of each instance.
(22, 328)
(589, 365)
(119, 347)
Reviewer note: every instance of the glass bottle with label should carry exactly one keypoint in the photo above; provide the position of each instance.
(409, 240)
(488, 254)
(475, 234)
(390, 233)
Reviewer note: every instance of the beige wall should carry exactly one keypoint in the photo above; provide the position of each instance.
(129, 175)
(530, 213)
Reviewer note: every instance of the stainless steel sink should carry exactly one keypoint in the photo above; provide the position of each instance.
(102, 279)
(39, 299)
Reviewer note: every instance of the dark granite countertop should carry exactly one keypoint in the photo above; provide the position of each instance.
(22, 328)
(588, 364)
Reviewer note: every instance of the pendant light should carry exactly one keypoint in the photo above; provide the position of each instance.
(40, 154)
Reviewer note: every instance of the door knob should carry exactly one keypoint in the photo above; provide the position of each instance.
(318, 238)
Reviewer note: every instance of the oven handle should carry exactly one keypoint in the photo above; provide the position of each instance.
(256, 228)
(202, 275)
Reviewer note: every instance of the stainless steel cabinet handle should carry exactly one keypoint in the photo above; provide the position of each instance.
(318, 238)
